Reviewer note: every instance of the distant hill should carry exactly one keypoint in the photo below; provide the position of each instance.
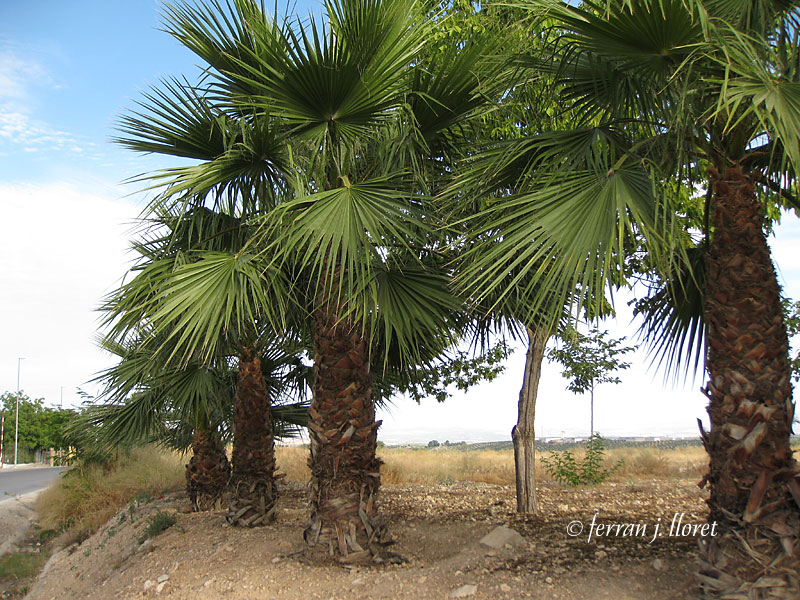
(565, 444)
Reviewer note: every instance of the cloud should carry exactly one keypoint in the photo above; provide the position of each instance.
(18, 74)
(21, 78)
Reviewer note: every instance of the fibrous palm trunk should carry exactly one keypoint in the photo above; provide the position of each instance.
(345, 472)
(252, 483)
(523, 433)
(754, 485)
(208, 471)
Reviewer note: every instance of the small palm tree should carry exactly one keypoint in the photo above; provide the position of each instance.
(144, 401)
(197, 298)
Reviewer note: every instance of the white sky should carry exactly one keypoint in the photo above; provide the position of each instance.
(67, 70)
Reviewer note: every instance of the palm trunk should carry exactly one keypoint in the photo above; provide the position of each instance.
(345, 471)
(252, 483)
(755, 490)
(208, 471)
(523, 433)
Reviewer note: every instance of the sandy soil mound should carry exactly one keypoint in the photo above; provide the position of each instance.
(437, 529)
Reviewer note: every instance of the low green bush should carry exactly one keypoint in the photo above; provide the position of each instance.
(158, 523)
(565, 468)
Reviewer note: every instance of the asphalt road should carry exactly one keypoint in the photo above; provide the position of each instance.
(23, 481)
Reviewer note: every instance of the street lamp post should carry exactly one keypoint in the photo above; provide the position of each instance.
(16, 420)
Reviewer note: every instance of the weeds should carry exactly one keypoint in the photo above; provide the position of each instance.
(158, 523)
(21, 565)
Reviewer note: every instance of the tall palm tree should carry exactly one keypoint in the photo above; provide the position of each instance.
(668, 95)
(370, 123)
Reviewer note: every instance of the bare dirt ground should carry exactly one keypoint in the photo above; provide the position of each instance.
(437, 529)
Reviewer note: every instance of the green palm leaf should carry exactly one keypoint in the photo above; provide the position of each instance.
(418, 316)
(216, 299)
(673, 325)
(244, 154)
(343, 227)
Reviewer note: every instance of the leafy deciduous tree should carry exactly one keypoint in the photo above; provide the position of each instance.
(589, 360)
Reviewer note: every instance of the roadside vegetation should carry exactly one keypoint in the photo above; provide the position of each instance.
(17, 570)
(88, 495)
(40, 427)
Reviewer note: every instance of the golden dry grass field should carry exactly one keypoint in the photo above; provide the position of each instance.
(443, 465)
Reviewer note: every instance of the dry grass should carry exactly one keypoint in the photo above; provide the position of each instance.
(84, 499)
(293, 460)
(412, 465)
(443, 465)
(651, 462)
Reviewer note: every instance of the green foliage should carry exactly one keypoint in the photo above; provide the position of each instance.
(654, 99)
(158, 523)
(791, 315)
(39, 426)
(327, 136)
(462, 371)
(20, 565)
(564, 467)
(589, 360)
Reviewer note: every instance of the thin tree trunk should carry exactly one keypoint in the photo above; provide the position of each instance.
(208, 471)
(591, 410)
(755, 490)
(252, 483)
(523, 433)
(345, 471)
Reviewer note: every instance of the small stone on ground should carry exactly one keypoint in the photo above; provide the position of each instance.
(464, 591)
(501, 536)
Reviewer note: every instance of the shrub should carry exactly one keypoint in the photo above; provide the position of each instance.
(564, 468)
(158, 523)
(87, 495)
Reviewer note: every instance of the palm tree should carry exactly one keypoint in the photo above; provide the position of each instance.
(370, 122)
(668, 95)
(198, 299)
(145, 401)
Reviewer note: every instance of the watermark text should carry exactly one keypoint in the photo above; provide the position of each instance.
(678, 527)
